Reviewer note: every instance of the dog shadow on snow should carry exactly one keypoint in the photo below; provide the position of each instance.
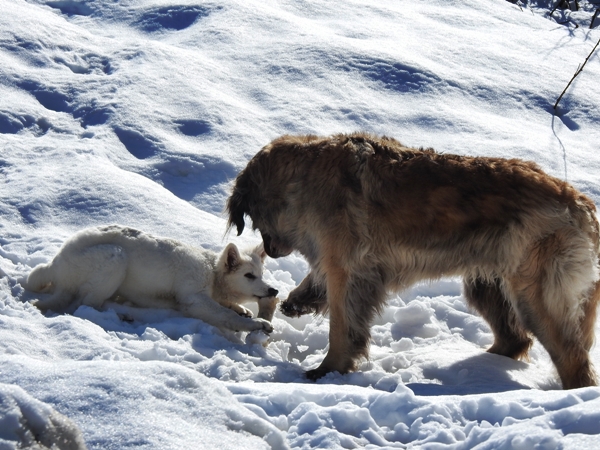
(484, 373)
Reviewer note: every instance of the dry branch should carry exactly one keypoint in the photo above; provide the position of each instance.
(577, 72)
(594, 18)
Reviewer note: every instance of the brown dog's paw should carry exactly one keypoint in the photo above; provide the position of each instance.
(315, 374)
(332, 364)
(292, 309)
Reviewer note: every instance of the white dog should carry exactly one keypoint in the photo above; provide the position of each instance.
(127, 265)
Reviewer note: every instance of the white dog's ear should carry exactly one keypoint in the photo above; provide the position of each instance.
(260, 251)
(232, 257)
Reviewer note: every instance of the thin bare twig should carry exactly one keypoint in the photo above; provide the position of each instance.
(594, 18)
(559, 4)
(577, 72)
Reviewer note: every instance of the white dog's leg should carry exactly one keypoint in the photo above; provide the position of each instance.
(57, 302)
(241, 310)
(201, 306)
(266, 307)
(88, 278)
(106, 269)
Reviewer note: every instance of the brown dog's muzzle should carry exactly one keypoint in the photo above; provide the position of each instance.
(274, 248)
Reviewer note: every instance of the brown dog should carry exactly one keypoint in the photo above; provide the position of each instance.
(372, 216)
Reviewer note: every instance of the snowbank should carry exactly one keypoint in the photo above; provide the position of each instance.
(142, 112)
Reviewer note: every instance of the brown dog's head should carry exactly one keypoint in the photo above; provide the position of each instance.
(259, 192)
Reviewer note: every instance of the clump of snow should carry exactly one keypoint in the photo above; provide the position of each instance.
(142, 113)
(28, 423)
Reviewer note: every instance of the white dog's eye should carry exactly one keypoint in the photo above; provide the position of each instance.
(250, 276)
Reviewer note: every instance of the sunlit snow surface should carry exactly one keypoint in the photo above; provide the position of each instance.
(142, 112)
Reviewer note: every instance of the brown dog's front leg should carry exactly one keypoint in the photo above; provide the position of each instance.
(339, 357)
(354, 300)
(309, 297)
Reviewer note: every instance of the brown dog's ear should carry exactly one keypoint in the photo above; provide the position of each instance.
(237, 205)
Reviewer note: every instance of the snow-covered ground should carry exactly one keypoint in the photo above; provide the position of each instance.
(141, 112)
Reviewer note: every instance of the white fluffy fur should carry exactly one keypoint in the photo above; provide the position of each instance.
(127, 265)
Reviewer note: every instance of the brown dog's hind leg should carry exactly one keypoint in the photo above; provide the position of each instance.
(556, 296)
(583, 375)
(589, 317)
(562, 342)
(510, 338)
(365, 298)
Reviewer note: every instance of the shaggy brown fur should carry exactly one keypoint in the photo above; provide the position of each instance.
(373, 216)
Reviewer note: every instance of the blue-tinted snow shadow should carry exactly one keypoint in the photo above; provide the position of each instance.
(393, 75)
(152, 19)
(188, 176)
(171, 18)
(71, 7)
(60, 100)
(480, 374)
(11, 123)
(207, 341)
(49, 97)
(194, 127)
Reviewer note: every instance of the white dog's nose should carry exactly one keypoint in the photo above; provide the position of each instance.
(272, 292)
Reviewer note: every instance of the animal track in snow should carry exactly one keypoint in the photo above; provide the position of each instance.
(86, 64)
(11, 123)
(136, 143)
(71, 7)
(391, 74)
(48, 97)
(193, 127)
(170, 18)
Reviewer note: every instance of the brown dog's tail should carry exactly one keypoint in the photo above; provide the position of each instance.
(41, 278)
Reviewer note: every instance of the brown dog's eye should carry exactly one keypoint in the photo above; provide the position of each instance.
(250, 276)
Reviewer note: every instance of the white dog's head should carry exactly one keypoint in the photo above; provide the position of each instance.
(242, 273)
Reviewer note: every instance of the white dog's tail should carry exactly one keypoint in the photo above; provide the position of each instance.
(41, 278)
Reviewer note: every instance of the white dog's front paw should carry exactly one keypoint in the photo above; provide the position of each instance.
(257, 337)
(241, 310)
(264, 325)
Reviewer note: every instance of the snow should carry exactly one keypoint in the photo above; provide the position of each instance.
(29, 423)
(141, 112)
